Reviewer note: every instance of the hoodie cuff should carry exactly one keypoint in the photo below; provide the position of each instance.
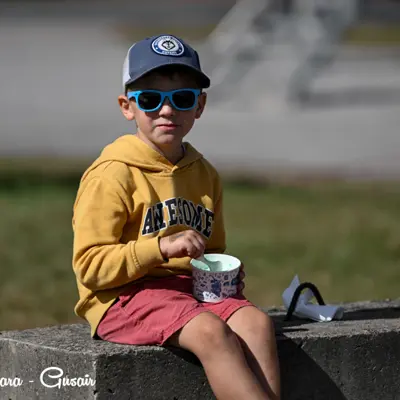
(148, 253)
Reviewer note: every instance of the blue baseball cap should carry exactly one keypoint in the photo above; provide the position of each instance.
(159, 51)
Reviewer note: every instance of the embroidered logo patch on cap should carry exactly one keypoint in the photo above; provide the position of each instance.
(167, 46)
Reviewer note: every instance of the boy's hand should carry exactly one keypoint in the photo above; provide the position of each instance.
(187, 243)
(242, 275)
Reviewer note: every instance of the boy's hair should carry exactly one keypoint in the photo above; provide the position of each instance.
(170, 72)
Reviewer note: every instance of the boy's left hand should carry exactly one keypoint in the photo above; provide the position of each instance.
(241, 284)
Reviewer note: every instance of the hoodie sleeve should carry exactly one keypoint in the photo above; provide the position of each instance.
(100, 261)
(217, 242)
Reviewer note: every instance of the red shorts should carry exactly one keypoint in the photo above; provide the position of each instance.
(149, 312)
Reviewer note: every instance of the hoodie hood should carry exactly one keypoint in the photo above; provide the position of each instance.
(131, 150)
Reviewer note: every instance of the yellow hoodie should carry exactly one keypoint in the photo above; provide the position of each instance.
(129, 198)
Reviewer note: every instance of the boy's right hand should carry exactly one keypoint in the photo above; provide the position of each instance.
(181, 244)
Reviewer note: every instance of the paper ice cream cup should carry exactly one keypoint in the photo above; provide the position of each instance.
(213, 287)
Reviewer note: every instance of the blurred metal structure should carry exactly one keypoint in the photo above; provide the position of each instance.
(236, 44)
(236, 38)
(307, 33)
(329, 20)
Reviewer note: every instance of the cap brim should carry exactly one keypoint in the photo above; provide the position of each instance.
(203, 78)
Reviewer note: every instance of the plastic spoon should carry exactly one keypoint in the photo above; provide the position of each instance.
(212, 265)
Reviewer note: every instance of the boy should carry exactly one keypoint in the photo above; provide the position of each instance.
(146, 206)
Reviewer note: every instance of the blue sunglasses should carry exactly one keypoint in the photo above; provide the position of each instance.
(152, 100)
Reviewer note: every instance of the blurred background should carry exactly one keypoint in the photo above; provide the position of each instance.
(302, 121)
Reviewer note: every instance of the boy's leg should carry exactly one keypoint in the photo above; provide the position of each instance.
(256, 332)
(219, 350)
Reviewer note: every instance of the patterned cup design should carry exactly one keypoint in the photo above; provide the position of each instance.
(213, 287)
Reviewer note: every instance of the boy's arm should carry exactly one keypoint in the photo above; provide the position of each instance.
(100, 261)
(217, 242)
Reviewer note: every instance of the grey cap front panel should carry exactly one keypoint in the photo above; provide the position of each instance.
(158, 51)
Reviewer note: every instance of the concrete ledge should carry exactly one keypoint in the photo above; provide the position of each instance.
(357, 358)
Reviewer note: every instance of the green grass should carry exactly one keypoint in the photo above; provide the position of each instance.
(362, 33)
(343, 237)
(36, 282)
(359, 34)
(374, 34)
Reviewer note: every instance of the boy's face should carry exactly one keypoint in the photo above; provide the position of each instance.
(167, 126)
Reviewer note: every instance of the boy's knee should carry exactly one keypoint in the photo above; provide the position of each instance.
(214, 334)
(254, 321)
(265, 324)
(262, 324)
